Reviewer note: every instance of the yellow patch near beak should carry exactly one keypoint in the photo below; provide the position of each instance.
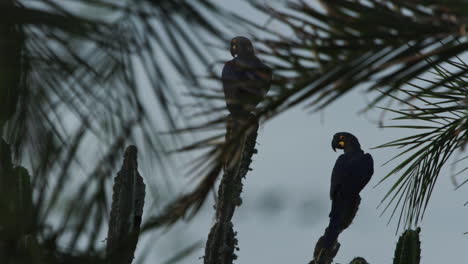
(341, 143)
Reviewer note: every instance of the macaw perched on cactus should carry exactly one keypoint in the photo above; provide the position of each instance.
(246, 80)
(351, 173)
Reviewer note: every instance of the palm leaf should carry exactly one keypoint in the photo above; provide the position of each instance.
(431, 149)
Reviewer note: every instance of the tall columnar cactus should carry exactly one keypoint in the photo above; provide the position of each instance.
(127, 210)
(12, 41)
(240, 140)
(18, 243)
(408, 249)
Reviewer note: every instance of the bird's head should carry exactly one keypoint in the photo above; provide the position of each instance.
(241, 46)
(345, 141)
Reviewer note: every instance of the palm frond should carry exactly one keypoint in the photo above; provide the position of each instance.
(426, 153)
(377, 45)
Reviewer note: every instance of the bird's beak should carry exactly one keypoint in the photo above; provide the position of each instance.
(233, 50)
(337, 144)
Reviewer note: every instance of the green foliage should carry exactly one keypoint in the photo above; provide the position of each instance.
(408, 249)
(442, 130)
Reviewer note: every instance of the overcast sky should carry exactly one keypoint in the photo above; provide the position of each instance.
(285, 198)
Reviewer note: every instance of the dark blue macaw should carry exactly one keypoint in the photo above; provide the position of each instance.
(246, 80)
(351, 173)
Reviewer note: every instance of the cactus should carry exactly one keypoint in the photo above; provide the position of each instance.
(240, 139)
(18, 242)
(358, 260)
(127, 210)
(408, 249)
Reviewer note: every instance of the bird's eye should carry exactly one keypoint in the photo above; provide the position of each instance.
(341, 137)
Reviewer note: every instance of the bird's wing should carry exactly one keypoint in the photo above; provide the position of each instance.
(238, 76)
(256, 76)
(230, 80)
(266, 75)
(361, 169)
(339, 174)
(366, 170)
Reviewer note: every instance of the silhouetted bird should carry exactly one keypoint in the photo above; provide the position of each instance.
(351, 173)
(246, 80)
